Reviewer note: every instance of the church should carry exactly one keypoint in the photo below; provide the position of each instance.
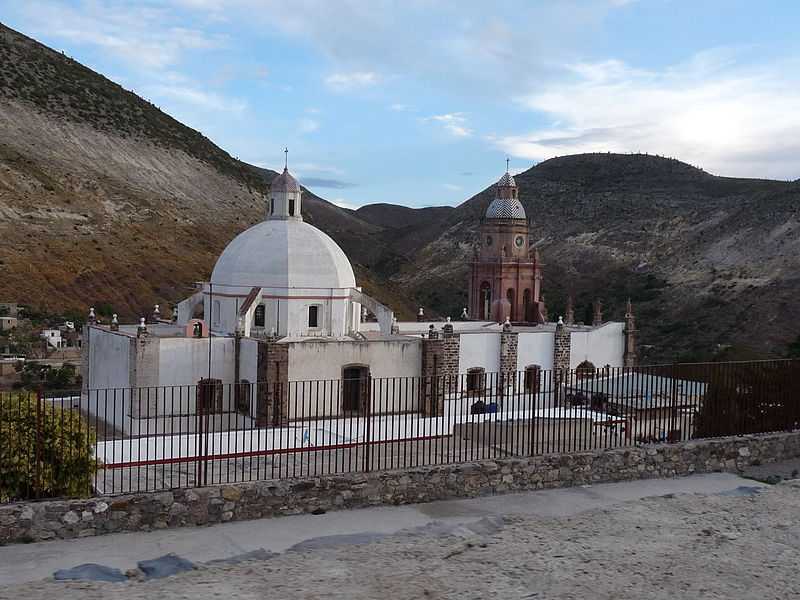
(283, 308)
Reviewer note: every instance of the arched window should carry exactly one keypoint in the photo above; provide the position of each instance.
(291, 208)
(313, 315)
(510, 296)
(526, 306)
(272, 206)
(486, 300)
(533, 378)
(585, 370)
(476, 380)
(260, 316)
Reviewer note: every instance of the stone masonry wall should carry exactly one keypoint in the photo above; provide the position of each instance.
(440, 358)
(36, 521)
(508, 358)
(273, 376)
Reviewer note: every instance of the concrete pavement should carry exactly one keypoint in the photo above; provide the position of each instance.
(31, 562)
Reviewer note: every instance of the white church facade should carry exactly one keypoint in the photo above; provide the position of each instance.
(283, 308)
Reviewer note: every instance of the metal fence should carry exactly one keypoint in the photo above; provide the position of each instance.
(114, 441)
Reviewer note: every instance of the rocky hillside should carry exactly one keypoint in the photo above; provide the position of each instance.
(710, 262)
(106, 200)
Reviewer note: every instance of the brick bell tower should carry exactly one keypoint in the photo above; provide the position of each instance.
(506, 272)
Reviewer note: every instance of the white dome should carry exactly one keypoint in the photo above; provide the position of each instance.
(283, 254)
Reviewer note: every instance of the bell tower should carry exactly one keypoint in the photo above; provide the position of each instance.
(505, 282)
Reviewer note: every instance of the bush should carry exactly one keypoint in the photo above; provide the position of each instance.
(757, 397)
(46, 455)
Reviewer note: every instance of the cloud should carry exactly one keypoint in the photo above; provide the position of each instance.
(304, 167)
(454, 123)
(452, 187)
(399, 107)
(306, 125)
(713, 111)
(323, 182)
(144, 35)
(204, 100)
(344, 82)
(342, 203)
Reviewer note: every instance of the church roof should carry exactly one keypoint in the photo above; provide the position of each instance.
(283, 254)
(285, 183)
(507, 180)
(506, 205)
(505, 208)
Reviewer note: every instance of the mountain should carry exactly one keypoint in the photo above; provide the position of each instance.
(709, 262)
(106, 200)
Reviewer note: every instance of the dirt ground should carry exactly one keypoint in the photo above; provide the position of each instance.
(686, 546)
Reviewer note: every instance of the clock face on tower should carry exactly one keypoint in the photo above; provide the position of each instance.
(519, 241)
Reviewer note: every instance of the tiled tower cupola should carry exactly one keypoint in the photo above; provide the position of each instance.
(505, 281)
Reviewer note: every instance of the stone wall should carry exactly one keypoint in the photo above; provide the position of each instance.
(273, 392)
(36, 521)
(440, 360)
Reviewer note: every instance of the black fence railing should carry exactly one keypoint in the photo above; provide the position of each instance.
(114, 441)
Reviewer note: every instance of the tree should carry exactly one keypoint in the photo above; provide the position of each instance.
(35, 375)
(750, 398)
(794, 348)
(46, 450)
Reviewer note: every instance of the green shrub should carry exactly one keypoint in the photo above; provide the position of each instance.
(44, 455)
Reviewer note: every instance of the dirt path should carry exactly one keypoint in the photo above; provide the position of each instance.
(723, 546)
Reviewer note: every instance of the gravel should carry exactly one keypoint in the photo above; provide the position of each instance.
(745, 545)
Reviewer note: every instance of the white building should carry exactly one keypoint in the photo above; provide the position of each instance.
(53, 338)
(283, 307)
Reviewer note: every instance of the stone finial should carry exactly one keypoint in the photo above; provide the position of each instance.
(464, 314)
(507, 325)
(570, 316)
(560, 321)
(114, 322)
(156, 316)
(141, 331)
(395, 327)
(447, 329)
(421, 315)
(628, 309)
(363, 314)
(543, 309)
(432, 333)
(597, 318)
(92, 317)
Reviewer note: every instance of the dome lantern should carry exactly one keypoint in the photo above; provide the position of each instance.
(285, 196)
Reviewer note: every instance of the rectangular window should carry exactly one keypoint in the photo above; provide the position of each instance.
(272, 206)
(313, 316)
(291, 208)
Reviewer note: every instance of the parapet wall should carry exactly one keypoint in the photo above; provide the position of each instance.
(37, 521)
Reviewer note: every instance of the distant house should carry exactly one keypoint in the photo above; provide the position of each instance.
(9, 309)
(7, 323)
(53, 337)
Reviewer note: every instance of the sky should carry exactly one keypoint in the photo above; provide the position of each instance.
(420, 102)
